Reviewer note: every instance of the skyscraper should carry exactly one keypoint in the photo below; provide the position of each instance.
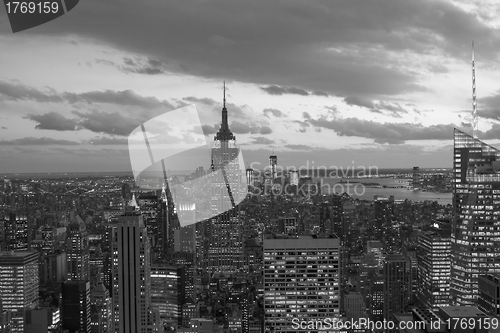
(18, 285)
(301, 280)
(76, 306)
(226, 247)
(273, 161)
(434, 267)
(16, 232)
(250, 177)
(476, 208)
(77, 250)
(396, 284)
(102, 305)
(489, 294)
(131, 273)
(168, 292)
(416, 178)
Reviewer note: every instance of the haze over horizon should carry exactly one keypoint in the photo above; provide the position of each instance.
(339, 83)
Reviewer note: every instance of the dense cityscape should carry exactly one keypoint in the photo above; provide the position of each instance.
(249, 166)
(96, 253)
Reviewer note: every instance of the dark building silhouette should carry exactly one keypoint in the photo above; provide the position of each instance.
(75, 307)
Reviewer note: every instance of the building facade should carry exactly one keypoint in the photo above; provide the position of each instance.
(301, 281)
(476, 211)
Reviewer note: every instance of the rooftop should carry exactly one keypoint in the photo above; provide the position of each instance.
(462, 311)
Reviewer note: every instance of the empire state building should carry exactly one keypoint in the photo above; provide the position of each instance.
(225, 252)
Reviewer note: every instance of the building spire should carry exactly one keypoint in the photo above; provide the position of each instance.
(224, 133)
(474, 103)
(224, 102)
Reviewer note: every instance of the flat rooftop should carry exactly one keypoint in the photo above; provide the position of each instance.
(462, 311)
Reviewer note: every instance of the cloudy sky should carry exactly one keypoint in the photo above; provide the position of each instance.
(330, 83)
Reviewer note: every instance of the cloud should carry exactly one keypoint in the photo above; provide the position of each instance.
(394, 108)
(217, 40)
(209, 130)
(17, 92)
(275, 112)
(261, 141)
(101, 140)
(319, 93)
(205, 101)
(491, 134)
(489, 107)
(249, 128)
(147, 66)
(3, 127)
(265, 130)
(32, 141)
(359, 101)
(53, 121)
(277, 90)
(109, 123)
(358, 45)
(124, 97)
(393, 133)
(299, 147)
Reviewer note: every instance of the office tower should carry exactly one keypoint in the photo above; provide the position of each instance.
(476, 203)
(18, 285)
(75, 306)
(101, 310)
(168, 292)
(148, 206)
(416, 178)
(489, 294)
(434, 267)
(376, 296)
(226, 248)
(349, 220)
(185, 237)
(324, 218)
(336, 216)
(131, 273)
(250, 177)
(165, 233)
(396, 284)
(77, 250)
(17, 232)
(301, 280)
(273, 162)
(53, 269)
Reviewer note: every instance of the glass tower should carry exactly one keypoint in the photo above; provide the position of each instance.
(476, 224)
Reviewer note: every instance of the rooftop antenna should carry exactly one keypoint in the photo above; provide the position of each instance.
(474, 103)
(224, 94)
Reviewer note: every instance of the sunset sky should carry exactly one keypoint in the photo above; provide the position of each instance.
(341, 83)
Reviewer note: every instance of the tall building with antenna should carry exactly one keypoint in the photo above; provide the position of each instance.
(475, 234)
(273, 162)
(225, 252)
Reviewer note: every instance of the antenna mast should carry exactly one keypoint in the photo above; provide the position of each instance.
(474, 103)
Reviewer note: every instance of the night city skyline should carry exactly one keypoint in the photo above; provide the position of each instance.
(222, 166)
